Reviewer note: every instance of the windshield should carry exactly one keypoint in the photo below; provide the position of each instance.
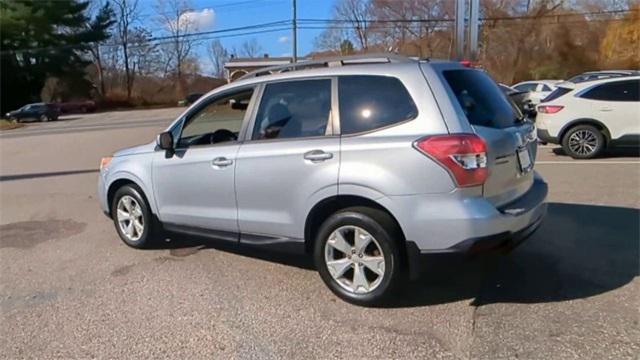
(481, 99)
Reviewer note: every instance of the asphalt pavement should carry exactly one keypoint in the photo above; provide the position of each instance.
(69, 288)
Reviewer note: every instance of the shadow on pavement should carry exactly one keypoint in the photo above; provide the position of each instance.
(65, 118)
(14, 177)
(579, 251)
(608, 153)
(179, 244)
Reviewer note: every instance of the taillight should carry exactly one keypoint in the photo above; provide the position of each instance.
(463, 155)
(549, 109)
(469, 64)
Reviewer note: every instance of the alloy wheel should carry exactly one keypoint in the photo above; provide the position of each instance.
(583, 142)
(354, 259)
(130, 218)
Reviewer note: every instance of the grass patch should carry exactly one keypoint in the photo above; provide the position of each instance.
(9, 125)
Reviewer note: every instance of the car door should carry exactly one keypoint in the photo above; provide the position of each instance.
(617, 105)
(288, 162)
(27, 112)
(195, 187)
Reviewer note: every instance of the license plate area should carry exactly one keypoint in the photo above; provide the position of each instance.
(524, 160)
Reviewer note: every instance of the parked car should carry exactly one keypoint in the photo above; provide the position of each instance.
(597, 75)
(587, 117)
(34, 112)
(81, 106)
(367, 163)
(520, 99)
(190, 99)
(538, 89)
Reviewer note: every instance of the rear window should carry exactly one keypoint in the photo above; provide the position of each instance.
(373, 102)
(526, 87)
(481, 99)
(558, 92)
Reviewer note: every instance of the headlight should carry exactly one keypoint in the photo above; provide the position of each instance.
(104, 162)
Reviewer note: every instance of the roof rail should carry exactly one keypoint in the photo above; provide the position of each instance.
(330, 62)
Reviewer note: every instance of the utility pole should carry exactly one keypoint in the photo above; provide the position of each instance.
(294, 37)
(474, 9)
(459, 31)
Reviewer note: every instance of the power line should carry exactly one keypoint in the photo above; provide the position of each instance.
(314, 24)
(446, 19)
(157, 38)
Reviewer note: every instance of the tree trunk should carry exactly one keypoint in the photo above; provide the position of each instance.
(103, 90)
(127, 70)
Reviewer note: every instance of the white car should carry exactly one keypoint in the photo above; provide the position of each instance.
(537, 89)
(590, 116)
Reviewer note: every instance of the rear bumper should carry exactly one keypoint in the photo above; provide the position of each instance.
(544, 136)
(478, 226)
(503, 242)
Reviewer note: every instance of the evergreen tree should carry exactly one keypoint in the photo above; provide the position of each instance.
(42, 38)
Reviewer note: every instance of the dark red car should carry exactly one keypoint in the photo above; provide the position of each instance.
(82, 106)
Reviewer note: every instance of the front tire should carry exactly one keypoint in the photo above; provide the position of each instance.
(583, 142)
(132, 217)
(358, 256)
(44, 118)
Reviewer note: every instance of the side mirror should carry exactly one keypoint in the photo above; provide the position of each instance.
(165, 141)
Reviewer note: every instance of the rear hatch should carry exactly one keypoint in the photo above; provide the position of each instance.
(511, 141)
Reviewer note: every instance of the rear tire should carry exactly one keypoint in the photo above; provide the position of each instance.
(583, 142)
(44, 118)
(366, 271)
(132, 217)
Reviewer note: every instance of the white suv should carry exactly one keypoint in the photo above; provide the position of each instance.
(588, 117)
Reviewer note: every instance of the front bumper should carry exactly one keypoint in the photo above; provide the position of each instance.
(102, 194)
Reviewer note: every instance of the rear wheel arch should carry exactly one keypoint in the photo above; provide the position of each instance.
(586, 121)
(326, 207)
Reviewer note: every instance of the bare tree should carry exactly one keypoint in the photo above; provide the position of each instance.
(356, 13)
(250, 48)
(423, 28)
(127, 15)
(174, 17)
(99, 12)
(330, 39)
(145, 56)
(218, 56)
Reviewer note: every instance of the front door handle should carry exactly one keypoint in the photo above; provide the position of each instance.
(221, 162)
(317, 155)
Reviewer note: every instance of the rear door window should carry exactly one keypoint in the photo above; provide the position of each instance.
(372, 102)
(481, 99)
(615, 91)
(526, 87)
(293, 109)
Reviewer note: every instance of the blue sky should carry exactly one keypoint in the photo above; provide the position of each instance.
(238, 13)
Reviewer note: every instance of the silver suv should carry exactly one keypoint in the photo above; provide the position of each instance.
(367, 163)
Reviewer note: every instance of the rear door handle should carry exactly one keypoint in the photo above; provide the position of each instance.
(606, 109)
(221, 162)
(317, 155)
